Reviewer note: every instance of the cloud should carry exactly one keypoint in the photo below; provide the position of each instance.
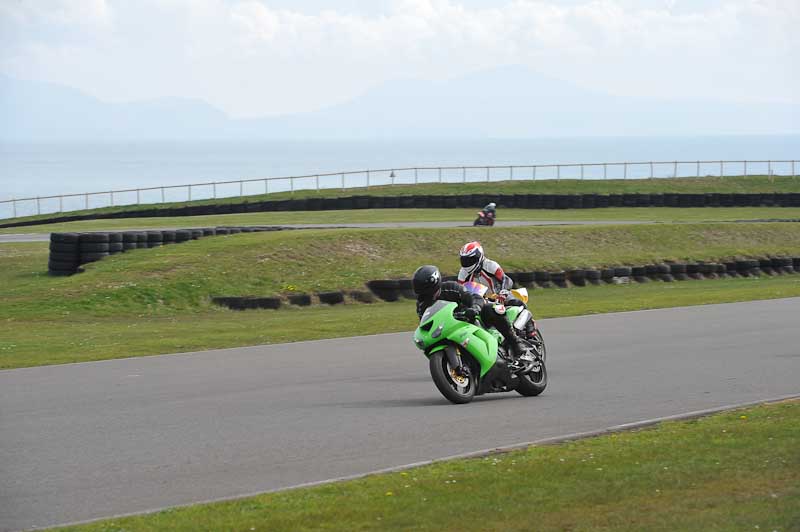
(250, 57)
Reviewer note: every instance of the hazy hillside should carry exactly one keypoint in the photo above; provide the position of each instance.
(505, 102)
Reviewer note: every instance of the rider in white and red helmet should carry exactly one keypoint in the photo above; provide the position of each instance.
(476, 267)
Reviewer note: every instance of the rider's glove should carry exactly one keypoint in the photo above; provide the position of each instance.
(503, 295)
(467, 314)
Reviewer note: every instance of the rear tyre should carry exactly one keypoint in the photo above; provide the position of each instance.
(458, 390)
(533, 383)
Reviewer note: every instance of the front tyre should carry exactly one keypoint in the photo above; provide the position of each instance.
(454, 388)
(533, 383)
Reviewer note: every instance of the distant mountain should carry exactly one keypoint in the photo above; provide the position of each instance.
(508, 102)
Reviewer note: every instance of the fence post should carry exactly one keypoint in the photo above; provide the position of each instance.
(415, 176)
(61, 204)
(14, 207)
(391, 177)
(291, 186)
(675, 169)
(721, 170)
(38, 206)
(214, 188)
(440, 174)
(266, 186)
(190, 192)
(769, 168)
(86, 200)
(487, 174)
(111, 196)
(367, 179)
(745, 168)
(558, 172)
(464, 174)
(581, 171)
(342, 180)
(162, 194)
(316, 182)
(138, 196)
(793, 176)
(511, 172)
(605, 171)
(534, 173)
(625, 171)
(241, 189)
(698, 168)
(651, 169)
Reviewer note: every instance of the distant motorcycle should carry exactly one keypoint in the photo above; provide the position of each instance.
(484, 218)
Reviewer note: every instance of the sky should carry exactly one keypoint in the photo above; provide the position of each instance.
(267, 57)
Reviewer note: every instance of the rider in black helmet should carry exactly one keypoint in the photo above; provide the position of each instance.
(427, 284)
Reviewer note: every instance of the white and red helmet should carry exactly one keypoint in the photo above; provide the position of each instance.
(471, 256)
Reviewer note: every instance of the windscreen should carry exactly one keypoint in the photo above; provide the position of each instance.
(476, 288)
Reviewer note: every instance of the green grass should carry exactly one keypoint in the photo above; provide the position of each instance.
(644, 214)
(738, 470)
(80, 336)
(158, 300)
(750, 184)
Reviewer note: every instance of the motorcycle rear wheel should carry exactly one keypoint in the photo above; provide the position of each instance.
(454, 389)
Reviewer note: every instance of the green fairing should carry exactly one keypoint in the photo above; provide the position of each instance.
(480, 343)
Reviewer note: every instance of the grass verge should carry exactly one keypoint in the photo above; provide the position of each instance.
(80, 336)
(738, 470)
(687, 185)
(465, 216)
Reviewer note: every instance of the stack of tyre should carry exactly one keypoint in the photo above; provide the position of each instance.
(64, 254)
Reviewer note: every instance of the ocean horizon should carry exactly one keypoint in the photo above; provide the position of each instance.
(47, 168)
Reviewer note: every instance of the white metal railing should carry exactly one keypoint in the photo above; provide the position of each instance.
(392, 176)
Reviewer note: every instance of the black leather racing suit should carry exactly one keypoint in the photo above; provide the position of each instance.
(453, 291)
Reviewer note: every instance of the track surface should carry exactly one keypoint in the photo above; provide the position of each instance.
(95, 439)
(43, 237)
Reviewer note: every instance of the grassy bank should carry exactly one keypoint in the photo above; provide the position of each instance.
(738, 470)
(466, 216)
(750, 184)
(80, 336)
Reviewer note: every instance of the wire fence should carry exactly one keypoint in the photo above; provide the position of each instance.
(15, 207)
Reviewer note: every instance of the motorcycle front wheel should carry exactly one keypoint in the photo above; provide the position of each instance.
(533, 383)
(454, 388)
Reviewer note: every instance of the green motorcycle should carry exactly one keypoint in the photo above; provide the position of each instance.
(467, 360)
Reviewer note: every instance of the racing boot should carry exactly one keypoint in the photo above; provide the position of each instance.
(520, 356)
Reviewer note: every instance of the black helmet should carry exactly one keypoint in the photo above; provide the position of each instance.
(426, 281)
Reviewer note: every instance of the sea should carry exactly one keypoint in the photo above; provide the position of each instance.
(30, 170)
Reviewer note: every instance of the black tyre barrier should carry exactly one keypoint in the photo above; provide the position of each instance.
(666, 277)
(559, 279)
(405, 289)
(622, 271)
(168, 237)
(64, 247)
(607, 274)
(129, 236)
(234, 230)
(222, 231)
(209, 231)
(301, 300)
(639, 274)
(765, 265)
(154, 236)
(68, 265)
(678, 271)
(388, 290)
(693, 271)
(93, 238)
(92, 247)
(115, 237)
(244, 303)
(183, 235)
(127, 246)
(331, 298)
(593, 277)
(61, 256)
(66, 238)
(196, 233)
(141, 240)
(730, 269)
(524, 278)
(542, 279)
(248, 229)
(92, 257)
(115, 247)
(577, 277)
(362, 296)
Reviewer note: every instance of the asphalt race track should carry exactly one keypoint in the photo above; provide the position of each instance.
(89, 440)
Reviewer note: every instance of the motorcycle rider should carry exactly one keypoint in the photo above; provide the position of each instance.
(490, 210)
(476, 267)
(428, 286)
